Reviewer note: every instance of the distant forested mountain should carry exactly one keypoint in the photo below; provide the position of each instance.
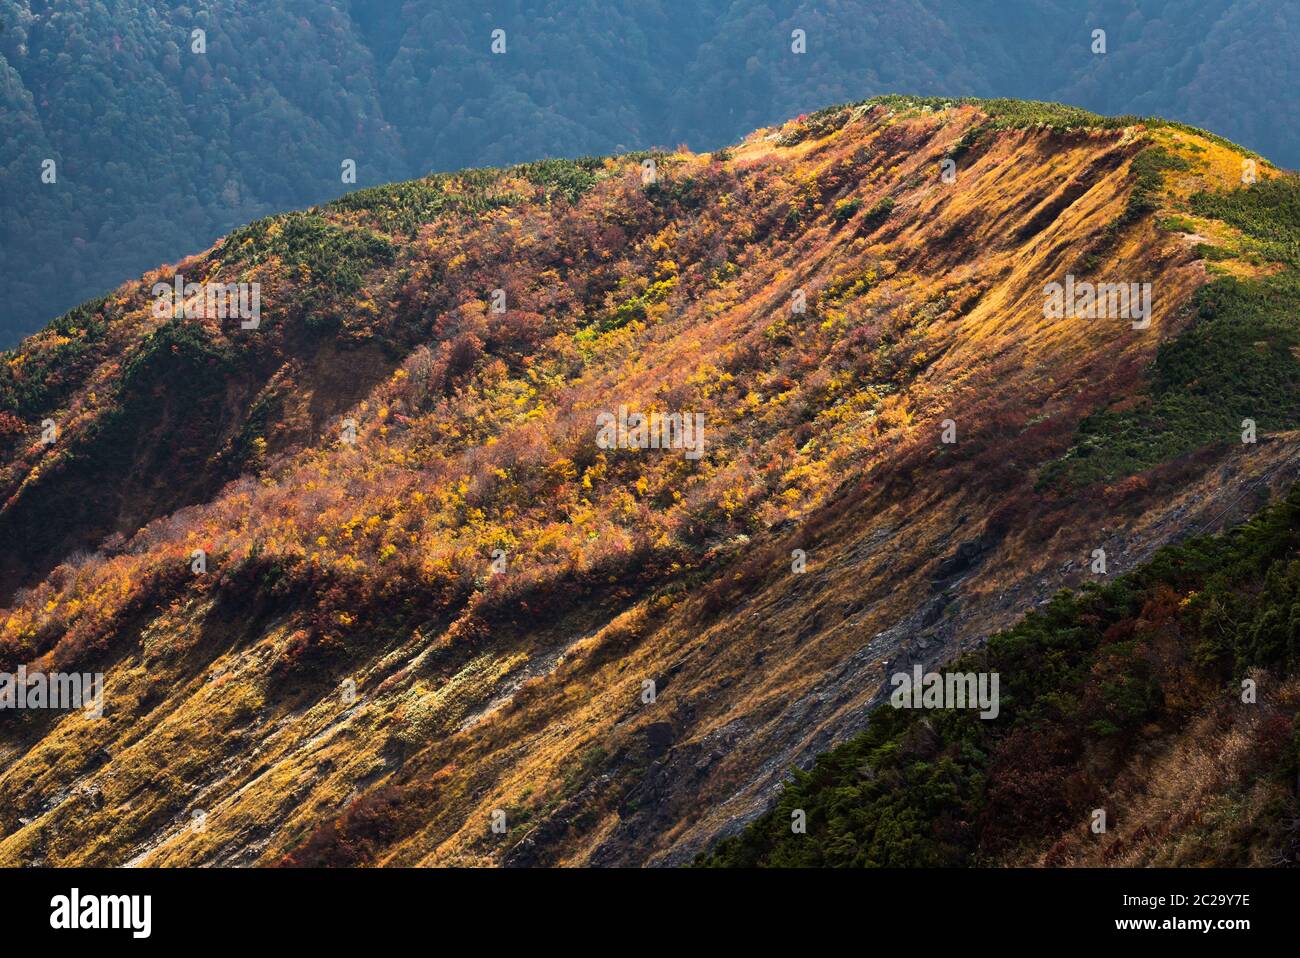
(158, 148)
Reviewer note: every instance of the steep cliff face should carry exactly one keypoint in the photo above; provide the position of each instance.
(435, 599)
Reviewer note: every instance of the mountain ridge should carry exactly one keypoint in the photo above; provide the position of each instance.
(370, 559)
(160, 149)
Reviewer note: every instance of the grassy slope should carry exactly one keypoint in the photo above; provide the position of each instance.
(1100, 677)
(1240, 358)
(331, 562)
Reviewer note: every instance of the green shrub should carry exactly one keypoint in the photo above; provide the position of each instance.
(877, 215)
(845, 210)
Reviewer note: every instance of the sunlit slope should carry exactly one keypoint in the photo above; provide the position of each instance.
(522, 689)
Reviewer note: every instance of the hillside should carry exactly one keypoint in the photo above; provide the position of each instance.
(397, 488)
(160, 149)
(1129, 697)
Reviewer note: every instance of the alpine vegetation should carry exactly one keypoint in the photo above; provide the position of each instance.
(597, 511)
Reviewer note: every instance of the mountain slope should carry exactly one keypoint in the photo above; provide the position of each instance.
(1168, 700)
(161, 148)
(499, 588)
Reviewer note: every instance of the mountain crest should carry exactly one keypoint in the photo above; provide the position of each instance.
(366, 587)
